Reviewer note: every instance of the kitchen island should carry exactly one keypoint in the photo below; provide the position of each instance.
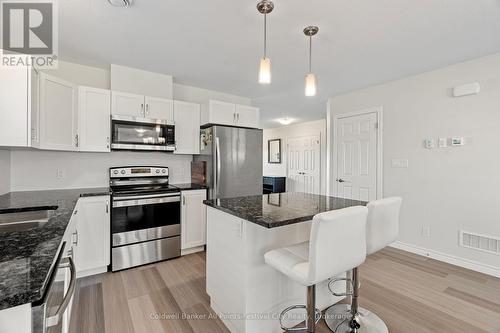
(246, 293)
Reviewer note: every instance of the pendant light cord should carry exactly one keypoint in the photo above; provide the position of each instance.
(265, 35)
(310, 54)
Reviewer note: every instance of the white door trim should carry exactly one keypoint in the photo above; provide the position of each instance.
(379, 112)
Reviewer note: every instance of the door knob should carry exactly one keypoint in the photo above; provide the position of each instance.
(340, 180)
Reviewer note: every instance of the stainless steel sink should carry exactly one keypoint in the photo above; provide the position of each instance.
(20, 221)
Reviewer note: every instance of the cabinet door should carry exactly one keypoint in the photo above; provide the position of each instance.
(58, 114)
(159, 108)
(94, 113)
(14, 106)
(193, 219)
(93, 228)
(221, 113)
(187, 127)
(247, 116)
(126, 104)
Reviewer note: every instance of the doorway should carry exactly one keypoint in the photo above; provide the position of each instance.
(303, 164)
(357, 155)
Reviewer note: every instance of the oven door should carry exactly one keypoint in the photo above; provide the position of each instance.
(143, 218)
(131, 133)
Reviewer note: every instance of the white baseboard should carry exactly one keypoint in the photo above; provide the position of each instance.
(457, 261)
(192, 250)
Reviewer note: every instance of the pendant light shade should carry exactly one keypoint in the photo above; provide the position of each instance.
(265, 7)
(310, 77)
(265, 71)
(310, 85)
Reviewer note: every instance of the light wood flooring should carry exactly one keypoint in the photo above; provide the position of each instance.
(411, 293)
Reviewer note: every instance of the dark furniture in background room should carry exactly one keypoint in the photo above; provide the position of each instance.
(274, 184)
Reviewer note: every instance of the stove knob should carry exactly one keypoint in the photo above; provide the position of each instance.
(163, 171)
(123, 172)
(115, 172)
(157, 170)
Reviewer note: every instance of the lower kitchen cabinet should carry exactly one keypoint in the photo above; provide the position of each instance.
(92, 238)
(193, 221)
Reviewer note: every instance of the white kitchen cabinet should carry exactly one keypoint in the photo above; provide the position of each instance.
(140, 106)
(159, 108)
(193, 220)
(127, 104)
(223, 113)
(92, 254)
(247, 116)
(94, 113)
(18, 99)
(56, 125)
(187, 127)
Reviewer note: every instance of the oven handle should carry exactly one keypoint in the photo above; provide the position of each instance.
(140, 202)
(54, 320)
(146, 196)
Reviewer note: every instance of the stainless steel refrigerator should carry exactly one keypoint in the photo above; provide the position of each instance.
(233, 158)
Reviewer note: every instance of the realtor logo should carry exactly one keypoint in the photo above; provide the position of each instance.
(29, 33)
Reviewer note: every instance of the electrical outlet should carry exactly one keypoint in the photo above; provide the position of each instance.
(60, 173)
(426, 231)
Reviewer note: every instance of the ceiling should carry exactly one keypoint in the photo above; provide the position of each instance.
(217, 44)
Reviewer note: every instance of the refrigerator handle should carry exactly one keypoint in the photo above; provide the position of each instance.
(217, 167)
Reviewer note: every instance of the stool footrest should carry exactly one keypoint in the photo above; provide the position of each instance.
(350, 292)
(294, 307)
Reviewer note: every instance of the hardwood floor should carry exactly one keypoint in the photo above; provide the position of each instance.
(411, 293)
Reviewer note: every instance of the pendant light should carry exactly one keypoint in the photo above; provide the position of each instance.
(310, 77)
(265, 7)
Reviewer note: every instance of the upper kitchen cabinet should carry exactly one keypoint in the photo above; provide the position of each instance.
(247, 116)
(139, 106)
(55, 126)
(18, 100)
(223, 113)
(159, 108)
(187, 127)
(127, 104)
(94, 113)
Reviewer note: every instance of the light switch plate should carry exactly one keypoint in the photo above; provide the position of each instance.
(399, 163)
(443, 142)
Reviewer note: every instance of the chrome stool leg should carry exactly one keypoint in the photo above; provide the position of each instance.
(313, 314)
(345, 318)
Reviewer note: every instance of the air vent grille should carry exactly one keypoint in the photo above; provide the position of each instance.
(480, 242)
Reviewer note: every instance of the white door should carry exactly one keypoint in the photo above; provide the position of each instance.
(126, 104)
(94, 112)
(247, 116)
(159, 108)
(221, 113)
(187, 127)
(193, 219)
(58, 114)
(357, 157)
(303, 157)
(93, 234)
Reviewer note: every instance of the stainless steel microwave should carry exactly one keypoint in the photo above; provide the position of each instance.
(131, 133)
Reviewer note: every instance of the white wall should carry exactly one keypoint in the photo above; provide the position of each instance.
(317, 127)
(445, 188)
(82, 75)
(35, 169)
(4, 171)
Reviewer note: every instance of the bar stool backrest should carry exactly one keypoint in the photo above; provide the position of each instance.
(383, 223)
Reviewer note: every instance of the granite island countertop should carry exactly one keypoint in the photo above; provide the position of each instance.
(279, 209)
(26, 256)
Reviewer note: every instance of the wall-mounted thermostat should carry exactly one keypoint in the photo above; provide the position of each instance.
(429, 143)
(466, 89)
(457, 141)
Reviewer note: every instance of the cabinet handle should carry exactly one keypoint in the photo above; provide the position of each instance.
(234, 117)
(147, 108)
(107, 207)
(237, 117)
(183, 200)
(75, 241)
(142, 109)
(76, 140)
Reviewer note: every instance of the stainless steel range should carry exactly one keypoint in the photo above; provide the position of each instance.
(145, 216)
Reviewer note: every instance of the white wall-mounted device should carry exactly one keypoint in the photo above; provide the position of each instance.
(457, 141)
(466, 89)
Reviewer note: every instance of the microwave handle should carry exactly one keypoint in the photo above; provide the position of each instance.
(54, 320)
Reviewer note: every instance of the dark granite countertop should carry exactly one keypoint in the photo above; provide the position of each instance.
(279, 209)
(26, 256)
(189, 186)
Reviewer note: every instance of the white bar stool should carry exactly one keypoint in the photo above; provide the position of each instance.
(341, 232)
(382, 229)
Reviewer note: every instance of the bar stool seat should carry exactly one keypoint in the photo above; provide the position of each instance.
(341, 232)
